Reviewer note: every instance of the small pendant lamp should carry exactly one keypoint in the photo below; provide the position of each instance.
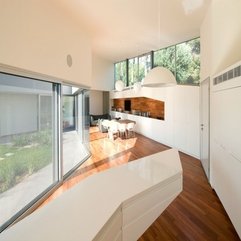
(119, 85)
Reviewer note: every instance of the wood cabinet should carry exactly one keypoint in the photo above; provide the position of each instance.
(141, 106)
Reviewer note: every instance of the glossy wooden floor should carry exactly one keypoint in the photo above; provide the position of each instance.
(196, 214)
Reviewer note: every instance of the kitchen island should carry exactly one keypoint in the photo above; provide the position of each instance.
(117, 204)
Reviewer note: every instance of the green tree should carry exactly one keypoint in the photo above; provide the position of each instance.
(133, 70)
(188, 62)
(144, 66)
(166, 58)
(120, 71)
(183, 60)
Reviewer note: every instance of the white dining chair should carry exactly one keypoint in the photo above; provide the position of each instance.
(113, 130)
(130, 129)
(106, 123)
(122, 130)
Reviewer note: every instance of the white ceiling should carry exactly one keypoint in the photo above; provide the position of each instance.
(120, 29)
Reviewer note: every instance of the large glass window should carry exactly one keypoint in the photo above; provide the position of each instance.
(183, 60)
(144, 66)
(138, 67)
(27, 142)
(188, 62)
(166, 58)
(121, 71)
(33, 159)
(68, 113)
(74, 122)
(132, 70)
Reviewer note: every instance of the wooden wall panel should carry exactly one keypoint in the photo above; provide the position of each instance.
(142, 104)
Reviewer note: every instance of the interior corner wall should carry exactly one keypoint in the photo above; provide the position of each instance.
(96, 102)
(38, 35)
(102, 74)
(220, 37)
(220, 45)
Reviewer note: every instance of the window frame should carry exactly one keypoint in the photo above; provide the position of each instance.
(189, 84)
(133, 70)
(83, 125)
(152, 56)
(125, 63)
(58, 141)
(151, 64)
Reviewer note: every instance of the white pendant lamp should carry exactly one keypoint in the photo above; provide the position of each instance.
(159, 77)
(119, 85)
(137, 86)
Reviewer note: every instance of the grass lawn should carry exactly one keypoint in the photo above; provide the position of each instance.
(27, 155)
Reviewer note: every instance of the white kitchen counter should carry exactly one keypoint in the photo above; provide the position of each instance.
(116, 204)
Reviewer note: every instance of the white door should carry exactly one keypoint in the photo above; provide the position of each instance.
(204, 125)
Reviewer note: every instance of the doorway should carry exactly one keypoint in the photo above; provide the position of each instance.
(205, 125)
(75, 125)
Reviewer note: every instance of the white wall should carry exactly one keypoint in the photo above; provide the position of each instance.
(38, 36)
(220, 45)
(225, 166)
(181, 126)
(220, 37)
(102, 80)
(96, 102)
(25, 107)
(102, 74)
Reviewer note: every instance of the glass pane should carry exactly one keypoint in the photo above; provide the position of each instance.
(188, 62)
(166, 58)
(144, 66)
(27, 142)
(45, 111)
(75, 150)
(68, 113)
(121, 72)
(133, 70)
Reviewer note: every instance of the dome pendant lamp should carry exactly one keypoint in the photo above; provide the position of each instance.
(159, 77)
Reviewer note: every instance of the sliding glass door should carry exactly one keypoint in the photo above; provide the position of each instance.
(28, 134)
(75, 150)
(43, 139)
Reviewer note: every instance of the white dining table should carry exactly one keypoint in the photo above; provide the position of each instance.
(107, 123)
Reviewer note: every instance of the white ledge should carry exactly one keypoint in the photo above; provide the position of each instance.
(116, 204)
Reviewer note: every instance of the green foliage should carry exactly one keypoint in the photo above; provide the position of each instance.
(5, 149)
(195, 46)
(28, 154)
(188, 62)
(166, 58)
(144, 66)
(138, 68)
(121, 71)
(42, 137)
(133, 70)
(183, 60)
